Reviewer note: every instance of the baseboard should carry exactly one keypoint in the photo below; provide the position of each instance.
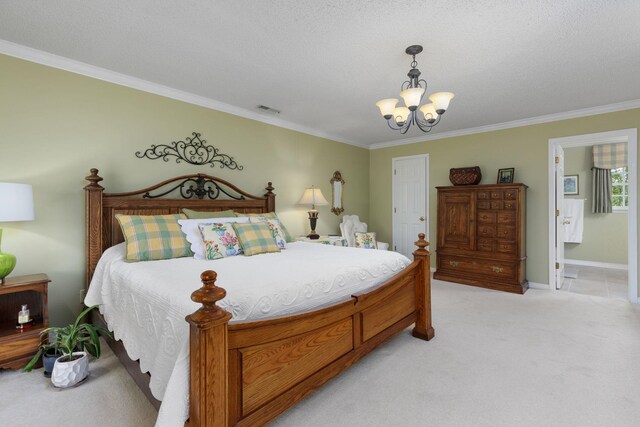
(536, 285)
(597, 264)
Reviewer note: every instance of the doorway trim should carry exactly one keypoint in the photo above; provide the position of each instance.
(426, 196)
(630, 136)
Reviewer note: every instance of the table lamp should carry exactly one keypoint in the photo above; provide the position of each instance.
(16, 204)
(313, 197)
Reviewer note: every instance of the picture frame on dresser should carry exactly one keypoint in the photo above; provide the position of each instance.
(505, 176)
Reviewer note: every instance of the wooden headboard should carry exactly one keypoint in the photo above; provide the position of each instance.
(198, 192)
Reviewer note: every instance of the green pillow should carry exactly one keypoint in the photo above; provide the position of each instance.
(255, 238)
(205, 215)
(270, 215)
(152, 237)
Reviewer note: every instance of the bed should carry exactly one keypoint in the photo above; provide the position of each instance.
(247, 372)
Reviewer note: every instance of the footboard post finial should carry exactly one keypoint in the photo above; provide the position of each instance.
(208, 388)
(423, 328)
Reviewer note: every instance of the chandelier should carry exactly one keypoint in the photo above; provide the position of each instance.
(413, 90)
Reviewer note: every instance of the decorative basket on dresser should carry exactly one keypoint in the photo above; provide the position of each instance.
(481, 236)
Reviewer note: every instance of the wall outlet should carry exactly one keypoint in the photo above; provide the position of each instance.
(83, 293)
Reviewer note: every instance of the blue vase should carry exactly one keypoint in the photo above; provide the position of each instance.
(231, 252)
(220, 232)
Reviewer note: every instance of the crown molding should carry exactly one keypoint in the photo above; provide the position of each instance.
(56, 61)
(591, 111)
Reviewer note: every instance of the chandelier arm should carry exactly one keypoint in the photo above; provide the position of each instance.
(391, 126)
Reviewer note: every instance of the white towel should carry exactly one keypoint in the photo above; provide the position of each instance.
(574, 220)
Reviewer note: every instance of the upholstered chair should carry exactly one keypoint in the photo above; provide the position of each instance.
(350, 225)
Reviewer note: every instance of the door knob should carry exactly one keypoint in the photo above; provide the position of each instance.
(421, 218)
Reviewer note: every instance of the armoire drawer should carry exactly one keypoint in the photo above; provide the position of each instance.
(510, 194)
(486, 230)
(506, 232)
(485, 245)
(510, 204)
(484, 204)
(482, 267)
(505, 247)
(487, 217)
(506, 217)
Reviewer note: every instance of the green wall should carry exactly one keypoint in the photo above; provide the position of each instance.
(55, 125)
(524, 148)
(604, 237)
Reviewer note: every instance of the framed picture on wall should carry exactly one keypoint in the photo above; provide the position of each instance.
(505, 176)
(571, 185)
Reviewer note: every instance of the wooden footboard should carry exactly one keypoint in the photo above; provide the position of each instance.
(248, 373)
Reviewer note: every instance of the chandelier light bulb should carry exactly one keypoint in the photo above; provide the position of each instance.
(429, 112)
(412, 97)
(441, 101)
(400, 115)
(386, 107)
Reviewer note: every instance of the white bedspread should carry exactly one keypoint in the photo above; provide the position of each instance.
(145, 303)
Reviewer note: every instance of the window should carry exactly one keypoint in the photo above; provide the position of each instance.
(620, 189)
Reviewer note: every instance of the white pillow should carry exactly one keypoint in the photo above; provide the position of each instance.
(190, 229)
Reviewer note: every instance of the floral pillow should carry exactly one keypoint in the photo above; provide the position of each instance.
(366, 240)
(220, 240)
(276, 230)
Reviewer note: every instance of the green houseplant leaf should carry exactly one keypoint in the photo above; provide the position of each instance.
(75, 337)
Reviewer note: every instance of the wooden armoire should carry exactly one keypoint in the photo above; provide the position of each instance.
(481, 236)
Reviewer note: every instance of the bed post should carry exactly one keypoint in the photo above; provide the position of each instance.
(208, 389)
(271, 198)
(93, 220)
(423, 328)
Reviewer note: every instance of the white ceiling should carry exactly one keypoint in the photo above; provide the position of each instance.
(324, 64)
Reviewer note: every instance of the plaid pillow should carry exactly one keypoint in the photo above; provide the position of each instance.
(255, 238)
(151, 237)
(220, 240)
(191, 214)
(366, 240)
(276, 230)
(269, 216)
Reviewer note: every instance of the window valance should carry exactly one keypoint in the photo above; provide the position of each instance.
(610, 156)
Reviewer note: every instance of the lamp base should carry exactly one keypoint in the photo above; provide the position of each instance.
(7, 263)
(313, 236)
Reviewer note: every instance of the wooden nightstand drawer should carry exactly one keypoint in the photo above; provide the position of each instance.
(18, 348)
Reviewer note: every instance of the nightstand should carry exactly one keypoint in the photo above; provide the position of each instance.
(325, 240)
(17, 346)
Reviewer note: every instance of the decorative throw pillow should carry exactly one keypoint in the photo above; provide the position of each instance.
(366, 240)
(206, 215)
(220, 240)
(276, 229)
(194, 236)
(256, 238)
(270, 215)
(152, 237)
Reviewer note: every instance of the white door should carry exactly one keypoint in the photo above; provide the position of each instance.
(410, 202)
(559, 216)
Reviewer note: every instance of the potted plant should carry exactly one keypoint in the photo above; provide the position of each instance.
(74, 341)
(49, 352)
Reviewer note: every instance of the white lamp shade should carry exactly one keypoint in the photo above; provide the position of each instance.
(401, 114)
(16, 202)
(429, 112)
(412, 96)
(313, 196)
(441, 100)
(386, 106)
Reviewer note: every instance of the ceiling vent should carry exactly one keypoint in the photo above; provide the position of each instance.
(268, 109)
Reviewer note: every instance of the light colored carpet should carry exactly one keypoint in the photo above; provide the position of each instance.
(109, 397)
(542, 359)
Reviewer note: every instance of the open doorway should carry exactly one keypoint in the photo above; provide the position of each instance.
(596, 264)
